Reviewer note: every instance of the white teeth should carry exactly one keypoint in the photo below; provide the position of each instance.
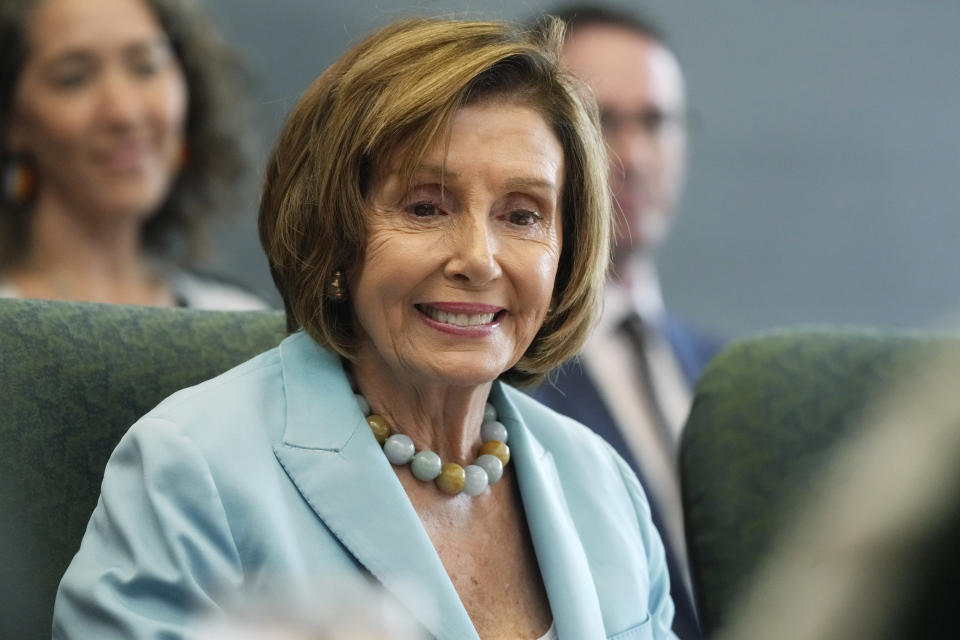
(459, 319)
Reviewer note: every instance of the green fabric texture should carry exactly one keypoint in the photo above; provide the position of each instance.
(73, 378)
(766, 414)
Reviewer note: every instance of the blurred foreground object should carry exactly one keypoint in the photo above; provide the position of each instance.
(781, 438)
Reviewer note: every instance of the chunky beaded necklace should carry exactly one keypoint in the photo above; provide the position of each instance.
(426, 465)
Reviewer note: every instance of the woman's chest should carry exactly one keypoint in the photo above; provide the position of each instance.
(486, 550)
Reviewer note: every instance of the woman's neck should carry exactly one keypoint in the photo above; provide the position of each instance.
(71, 257)
(440, 417)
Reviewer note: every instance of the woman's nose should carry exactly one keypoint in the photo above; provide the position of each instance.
(474, 258)
(120, 100)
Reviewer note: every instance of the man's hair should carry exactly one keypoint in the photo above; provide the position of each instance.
(579, 16)
(382, 105)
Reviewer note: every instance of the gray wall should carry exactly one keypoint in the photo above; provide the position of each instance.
(826, 167)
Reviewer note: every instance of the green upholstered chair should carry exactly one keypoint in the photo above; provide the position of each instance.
(73, 378)
(766, 414)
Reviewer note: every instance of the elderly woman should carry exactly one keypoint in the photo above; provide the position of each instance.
(120, 136)
(436, 218)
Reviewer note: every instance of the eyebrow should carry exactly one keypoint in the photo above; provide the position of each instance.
(84, 54)
(536, 183)
(435, 171)
(70, 57)
(438, 172)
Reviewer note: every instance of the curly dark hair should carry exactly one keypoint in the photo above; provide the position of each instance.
(217, 131)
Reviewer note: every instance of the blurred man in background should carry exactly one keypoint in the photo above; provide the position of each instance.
(634, 381)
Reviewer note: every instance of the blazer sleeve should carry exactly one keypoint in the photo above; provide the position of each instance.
(660, 603)
(157, 552)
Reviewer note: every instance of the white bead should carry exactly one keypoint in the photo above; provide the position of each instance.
(426, 465)
(492, 465)
(476, 480)
(398, 449)
(489, 412)
(364, 405)
(493, 430)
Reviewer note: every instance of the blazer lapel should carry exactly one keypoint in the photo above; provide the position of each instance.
(563, 562)
(332, 457)
(573, 393)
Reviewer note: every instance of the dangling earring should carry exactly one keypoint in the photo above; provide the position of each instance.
(19, 181)
(337, 293)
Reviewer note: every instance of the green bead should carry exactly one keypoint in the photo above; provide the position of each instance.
(380, 428)
(426, 465)
(492, 465)
(496, 448)
(451, 479)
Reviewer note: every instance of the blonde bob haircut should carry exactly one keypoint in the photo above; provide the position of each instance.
(383, 104)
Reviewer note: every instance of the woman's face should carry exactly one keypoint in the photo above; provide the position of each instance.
(100, 107)
(458, 272)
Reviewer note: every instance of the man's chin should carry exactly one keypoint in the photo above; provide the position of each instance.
(654, 232)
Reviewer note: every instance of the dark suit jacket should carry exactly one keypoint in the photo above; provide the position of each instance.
(571, 391)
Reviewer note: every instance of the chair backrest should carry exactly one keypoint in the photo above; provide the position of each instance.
(767, 413)
(73, 378)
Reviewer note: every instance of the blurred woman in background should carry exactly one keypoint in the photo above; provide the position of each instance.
(120, 135)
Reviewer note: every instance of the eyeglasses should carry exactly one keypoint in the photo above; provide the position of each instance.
(652, 122)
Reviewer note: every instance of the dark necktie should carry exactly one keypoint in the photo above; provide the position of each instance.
(633, 327)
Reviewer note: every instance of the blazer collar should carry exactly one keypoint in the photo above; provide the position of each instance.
(330, 454)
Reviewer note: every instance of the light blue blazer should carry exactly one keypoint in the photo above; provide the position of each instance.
(269, 472)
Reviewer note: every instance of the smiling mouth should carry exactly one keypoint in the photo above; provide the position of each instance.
(459, 319)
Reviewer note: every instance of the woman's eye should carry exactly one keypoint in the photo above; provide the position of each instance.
(146, 68)
(149, 60)
(69, 79)
(523, 217)
(423, 209)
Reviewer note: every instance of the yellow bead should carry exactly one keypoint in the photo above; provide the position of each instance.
(451, 478)
(496, 448)
(380, 428)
